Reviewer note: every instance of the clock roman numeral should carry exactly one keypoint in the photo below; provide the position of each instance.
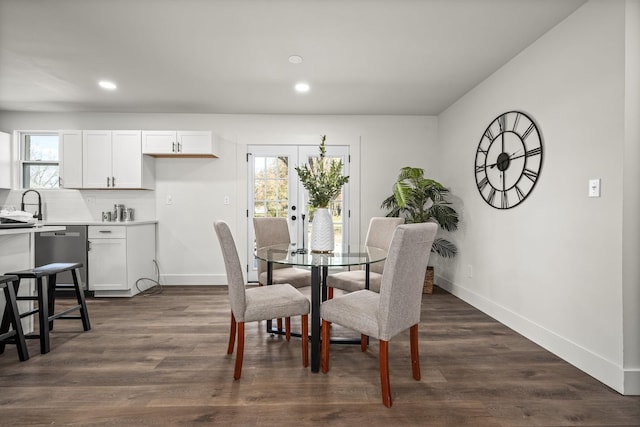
(528, 131)
(492, 195)
(480, 168)
(534, 152)
(504, 202)
(515, 123)
(519, 193)
(502, 123)
(483, 183)
(489, 134)
(532, 175)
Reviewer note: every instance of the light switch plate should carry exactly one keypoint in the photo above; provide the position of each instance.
(594, 187)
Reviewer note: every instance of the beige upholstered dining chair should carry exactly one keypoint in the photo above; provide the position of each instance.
(274, 231)
(259, 303)
(379, 235)
(395, 309)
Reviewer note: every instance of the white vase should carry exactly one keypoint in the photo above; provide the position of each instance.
(322, 231)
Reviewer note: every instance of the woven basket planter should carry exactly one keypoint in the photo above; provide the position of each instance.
(428, 281)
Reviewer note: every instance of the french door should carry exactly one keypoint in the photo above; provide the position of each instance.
(275, 191)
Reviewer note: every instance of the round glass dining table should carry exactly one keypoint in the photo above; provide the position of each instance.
(319, 263)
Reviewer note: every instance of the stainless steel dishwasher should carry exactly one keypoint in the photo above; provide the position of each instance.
(69, 245)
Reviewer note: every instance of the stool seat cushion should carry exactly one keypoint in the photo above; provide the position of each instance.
(46, 270)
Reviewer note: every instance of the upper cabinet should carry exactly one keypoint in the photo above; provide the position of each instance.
(179, 143)
(5, 160)
(114, 160)
(70, 158)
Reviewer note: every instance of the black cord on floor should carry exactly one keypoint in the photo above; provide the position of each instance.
(155, 288)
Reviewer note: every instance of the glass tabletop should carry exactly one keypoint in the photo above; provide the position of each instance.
(342, 257)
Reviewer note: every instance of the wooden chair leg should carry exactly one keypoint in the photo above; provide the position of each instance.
(324, 350)
(305, 339)
(240, 352)
(330, 293)
(384, 373)
(415, 356)
(287, 328)
(232, 334)
(279, 322)
(363, 342)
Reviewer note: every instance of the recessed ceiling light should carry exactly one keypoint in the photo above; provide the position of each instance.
(104, 84)
(302, 87)
(295, 59)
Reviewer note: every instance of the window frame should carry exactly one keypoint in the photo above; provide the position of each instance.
(23, 162)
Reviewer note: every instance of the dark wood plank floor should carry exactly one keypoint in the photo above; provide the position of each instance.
(161, 360)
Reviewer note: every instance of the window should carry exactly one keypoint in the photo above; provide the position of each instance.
(40, 164)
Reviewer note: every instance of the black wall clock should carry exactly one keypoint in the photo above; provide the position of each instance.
(508, 160)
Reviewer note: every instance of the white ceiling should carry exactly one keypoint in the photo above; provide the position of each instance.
(231, 56)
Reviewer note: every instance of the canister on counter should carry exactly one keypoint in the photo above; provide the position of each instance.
(106, 216)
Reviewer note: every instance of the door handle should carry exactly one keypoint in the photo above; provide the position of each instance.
(293, 218)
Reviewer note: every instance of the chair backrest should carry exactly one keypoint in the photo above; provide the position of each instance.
(379, 235)
(232, 265)
(403, 278)
(270, 231)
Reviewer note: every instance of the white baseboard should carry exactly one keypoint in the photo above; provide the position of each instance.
(632, 382)
(598, 367)
(193, 279)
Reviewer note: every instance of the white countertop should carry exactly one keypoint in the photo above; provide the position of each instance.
(117, 223)
(36, 229)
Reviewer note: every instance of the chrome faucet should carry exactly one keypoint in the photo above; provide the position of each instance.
(38, 214)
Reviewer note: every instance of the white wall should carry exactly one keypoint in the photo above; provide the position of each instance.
(188, 252)
(551, 268)
(631, 203)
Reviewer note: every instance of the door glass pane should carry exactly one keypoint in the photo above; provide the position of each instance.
(271, 187)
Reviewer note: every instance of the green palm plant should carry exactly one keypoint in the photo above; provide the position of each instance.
(420, 199)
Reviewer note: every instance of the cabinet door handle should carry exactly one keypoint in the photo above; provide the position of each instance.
(113, 181)
(179, 148)
(88, 245)
(104, 231)
(108, 182)
(173, 147)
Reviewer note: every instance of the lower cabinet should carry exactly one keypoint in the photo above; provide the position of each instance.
(118, 256)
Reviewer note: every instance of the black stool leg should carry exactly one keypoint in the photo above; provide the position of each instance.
(43, 315)
(84, 313)
(11, 312)
(6, 315)
(51, 294)
(4, 327)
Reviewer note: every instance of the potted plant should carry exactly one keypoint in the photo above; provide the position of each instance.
(420, 199)
(322, 178)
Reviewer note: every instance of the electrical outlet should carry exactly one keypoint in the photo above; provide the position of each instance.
(91, 200)
(469, 271)
(169, 200)
(226, 200)
(594, 187)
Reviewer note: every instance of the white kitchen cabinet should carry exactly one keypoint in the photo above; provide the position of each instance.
(179, 143)
(70, 142)
(5, 160)
(113, 159)
(118, 256)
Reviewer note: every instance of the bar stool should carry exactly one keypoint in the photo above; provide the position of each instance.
(16, 335)
(46, 291)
